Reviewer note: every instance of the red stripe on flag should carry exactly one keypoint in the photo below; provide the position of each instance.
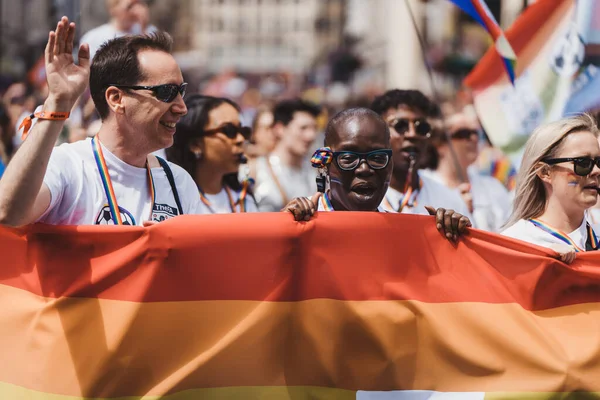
(345, 256)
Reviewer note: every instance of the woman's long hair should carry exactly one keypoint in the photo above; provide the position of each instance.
(545, 142)
(191, 127)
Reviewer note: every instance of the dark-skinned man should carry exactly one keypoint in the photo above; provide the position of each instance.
(357, 163)
(408, 114)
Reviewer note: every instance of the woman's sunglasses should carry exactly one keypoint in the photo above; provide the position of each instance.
(165, 93)
(582, 166)
(464, 134)
(231, 131)
(402, 125)
(350, 160)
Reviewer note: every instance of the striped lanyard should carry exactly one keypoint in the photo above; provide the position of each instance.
(232, 204)
(326, 203)
(409, 198)
(592, 239)
(108, 187)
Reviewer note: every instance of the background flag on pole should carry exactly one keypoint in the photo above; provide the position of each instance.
(479, 11)
(556, 42)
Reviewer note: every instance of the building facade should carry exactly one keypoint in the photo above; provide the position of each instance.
(262, 36)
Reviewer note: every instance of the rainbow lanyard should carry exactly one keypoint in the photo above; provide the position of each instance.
(592, 239)
(326, 203)
(232, 204)
(108, 187)
(409, 198)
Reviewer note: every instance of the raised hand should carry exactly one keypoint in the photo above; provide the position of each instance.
(66, 80)
(449, 222)
(303, 208)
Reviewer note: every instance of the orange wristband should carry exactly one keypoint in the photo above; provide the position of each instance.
(51, 115)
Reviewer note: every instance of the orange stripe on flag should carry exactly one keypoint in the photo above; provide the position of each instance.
(106, 348)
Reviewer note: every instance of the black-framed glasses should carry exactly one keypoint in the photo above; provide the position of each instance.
(582, 166)
(165, 93)
(350, 160)
(231, 131)
(464, 134)
(402, 125)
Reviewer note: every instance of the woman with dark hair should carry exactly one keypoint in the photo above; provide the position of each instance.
(208, 144)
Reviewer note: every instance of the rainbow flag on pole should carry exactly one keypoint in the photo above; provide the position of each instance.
(256, 306)
(556, 42)
(480, 12)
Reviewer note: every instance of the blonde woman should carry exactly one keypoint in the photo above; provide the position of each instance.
(557, 182)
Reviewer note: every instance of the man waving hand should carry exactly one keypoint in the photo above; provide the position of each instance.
(138, 91)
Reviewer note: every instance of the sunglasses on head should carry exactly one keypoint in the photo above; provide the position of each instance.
(350, 160)
(165, 93)
(582, 166)
(402, 125)
(463, 134)
(231, 131)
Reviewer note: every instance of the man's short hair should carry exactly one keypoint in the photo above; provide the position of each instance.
(284, 110)
(412, 99)
(345, 115)
(116, 63)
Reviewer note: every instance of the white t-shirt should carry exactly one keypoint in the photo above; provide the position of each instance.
(491, 201)
(98, 36)
(296, 182)
(526, 231)
(78, 196)
(220, 204)
(322, 206)
(593, 216)
(432, 193)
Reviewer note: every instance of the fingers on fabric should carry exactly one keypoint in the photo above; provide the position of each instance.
(464, 224)
(448, 223)
(301, 208)
(565, 252)
(308, 208)
(568, 257)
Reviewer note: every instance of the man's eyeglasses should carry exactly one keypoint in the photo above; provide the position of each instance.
(165, 93)
(231, 131)
(463, 134)
(350, 160)
(402, 125)
(582, 166)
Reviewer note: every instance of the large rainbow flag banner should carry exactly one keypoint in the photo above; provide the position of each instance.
(346, 306)
(557, 43)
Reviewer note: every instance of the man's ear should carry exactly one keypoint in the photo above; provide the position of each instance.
(114, 98)
(278, 128)
(543, 172)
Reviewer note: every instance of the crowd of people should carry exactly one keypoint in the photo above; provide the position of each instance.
(157, 152)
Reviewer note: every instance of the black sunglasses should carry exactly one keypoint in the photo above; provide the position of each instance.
(350, 160)
(231, 131)
(402, 125)
(463, 134)
(582, 166)
(165, 93)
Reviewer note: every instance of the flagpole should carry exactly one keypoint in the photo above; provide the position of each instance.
(461, 176)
